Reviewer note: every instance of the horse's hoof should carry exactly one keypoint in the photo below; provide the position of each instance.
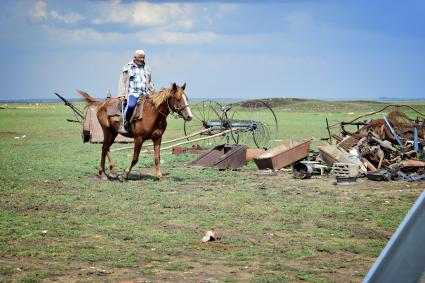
(160, 178)
(113, 176)
(121, 178)
(103, 177)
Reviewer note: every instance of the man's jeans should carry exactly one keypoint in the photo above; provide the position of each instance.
(131, 104)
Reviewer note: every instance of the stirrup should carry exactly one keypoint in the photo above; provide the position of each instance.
(122, 129)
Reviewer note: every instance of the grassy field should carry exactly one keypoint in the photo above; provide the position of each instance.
(58, 221)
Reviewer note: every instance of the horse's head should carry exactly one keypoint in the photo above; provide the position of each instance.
(178, 102)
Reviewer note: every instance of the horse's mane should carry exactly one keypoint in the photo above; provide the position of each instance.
(161, 96)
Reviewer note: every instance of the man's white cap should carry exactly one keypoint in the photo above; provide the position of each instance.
(139, 52)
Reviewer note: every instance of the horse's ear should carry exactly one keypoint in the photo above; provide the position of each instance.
(174, 87)
(184, 86)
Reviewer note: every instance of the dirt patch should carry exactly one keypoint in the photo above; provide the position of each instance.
(361, 232)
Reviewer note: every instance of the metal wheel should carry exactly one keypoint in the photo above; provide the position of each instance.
(207, 117)
(250, 123)
(254, 123)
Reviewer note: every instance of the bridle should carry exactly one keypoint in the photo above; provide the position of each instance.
(174, 111)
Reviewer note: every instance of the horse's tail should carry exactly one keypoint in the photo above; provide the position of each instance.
(90, 100)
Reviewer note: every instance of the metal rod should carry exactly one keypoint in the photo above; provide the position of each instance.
(329, 131)
(177, 144)
(70, 105)
(393, 132)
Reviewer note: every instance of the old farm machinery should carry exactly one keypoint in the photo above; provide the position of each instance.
(252, 123)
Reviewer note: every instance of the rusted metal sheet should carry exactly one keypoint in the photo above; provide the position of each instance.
(225, 156)
(283, 155)
(331, 154)
(348, 142)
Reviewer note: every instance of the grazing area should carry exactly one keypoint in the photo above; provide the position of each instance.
(59, 221)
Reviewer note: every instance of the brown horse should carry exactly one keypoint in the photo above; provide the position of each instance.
(150, 127)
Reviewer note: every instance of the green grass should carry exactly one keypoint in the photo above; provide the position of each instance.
(275, 228)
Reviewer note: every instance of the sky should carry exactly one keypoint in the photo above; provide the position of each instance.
(320, 49)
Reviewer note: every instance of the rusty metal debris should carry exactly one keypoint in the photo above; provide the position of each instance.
(283, 155)
(194, 149)
(225, 156)
(306, 169)
(387, 148)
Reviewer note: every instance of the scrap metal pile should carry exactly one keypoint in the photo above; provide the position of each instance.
(384, 149)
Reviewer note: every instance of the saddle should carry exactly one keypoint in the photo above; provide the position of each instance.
(114, 109)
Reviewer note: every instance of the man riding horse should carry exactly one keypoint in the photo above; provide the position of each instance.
(135, 81)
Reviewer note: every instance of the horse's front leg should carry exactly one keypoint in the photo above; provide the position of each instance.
(138, 141)
(112, 169)
(157, 155)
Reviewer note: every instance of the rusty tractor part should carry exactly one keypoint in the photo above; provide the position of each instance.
(306, 169)
(283, 155)
(225, 156)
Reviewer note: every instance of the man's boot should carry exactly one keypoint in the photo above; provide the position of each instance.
(123, 128)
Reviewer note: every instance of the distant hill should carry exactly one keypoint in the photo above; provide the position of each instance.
(323, 106)
(384, 98)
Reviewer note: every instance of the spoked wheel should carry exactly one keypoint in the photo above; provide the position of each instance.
(253, 124)
(206, 124)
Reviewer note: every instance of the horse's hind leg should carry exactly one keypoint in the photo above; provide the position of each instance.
(105, 149)
(112, 169)
(138, 141)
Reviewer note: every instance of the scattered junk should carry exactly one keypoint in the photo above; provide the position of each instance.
(225, 156)
(283, 155)
(384, 149)
(92, 131)
(306, 169)
(210, 236)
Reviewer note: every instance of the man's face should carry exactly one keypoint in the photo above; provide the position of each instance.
(139, 59)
